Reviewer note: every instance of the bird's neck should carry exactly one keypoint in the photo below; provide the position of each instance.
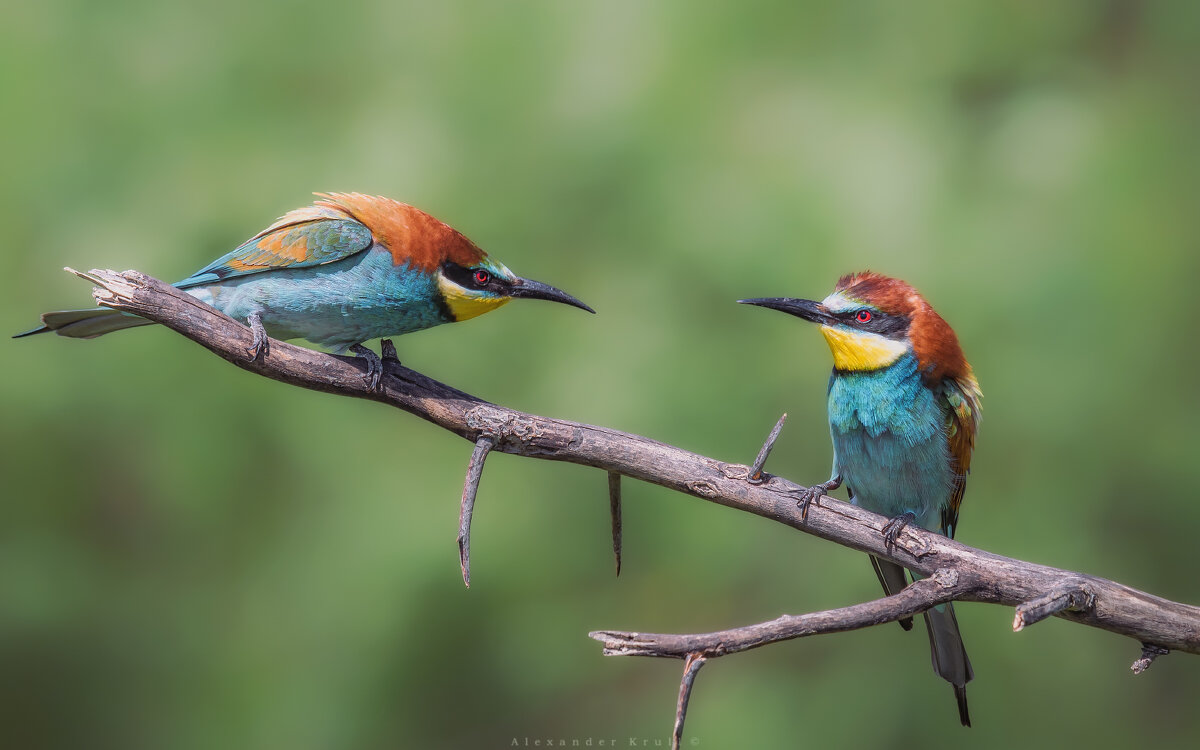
(889, 399)
(899, 375)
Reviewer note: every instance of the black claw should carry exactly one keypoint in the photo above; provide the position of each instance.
(374, 375)
(892, 529)
(810, 495)
(258, 351)
(260, 347)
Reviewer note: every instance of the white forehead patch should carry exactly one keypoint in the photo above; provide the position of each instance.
(499, 268)
(837, 303)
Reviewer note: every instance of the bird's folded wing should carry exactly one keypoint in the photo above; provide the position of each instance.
(962, 415)
(305, 237)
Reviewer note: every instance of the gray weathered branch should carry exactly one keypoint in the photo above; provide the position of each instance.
(943, 586)
(1037, 591)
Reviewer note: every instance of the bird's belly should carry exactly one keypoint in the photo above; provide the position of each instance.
(890, 475)
(335, 305)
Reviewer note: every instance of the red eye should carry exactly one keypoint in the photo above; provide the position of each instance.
(863, 316)
(482, 277)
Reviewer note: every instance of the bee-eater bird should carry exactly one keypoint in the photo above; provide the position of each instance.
(903, 412)
(346, 269)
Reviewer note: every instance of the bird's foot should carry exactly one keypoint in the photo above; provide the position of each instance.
(260, 347)
(892, 529)
(810, 495)
(388, 351)
(374, 376)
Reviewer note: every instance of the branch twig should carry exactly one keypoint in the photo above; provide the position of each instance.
(691, 666)
(614, 510)
(467, 507)
(756, 470)
(1150, 652)
(1073, 598)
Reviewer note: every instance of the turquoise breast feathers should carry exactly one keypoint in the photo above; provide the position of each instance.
(889, 438)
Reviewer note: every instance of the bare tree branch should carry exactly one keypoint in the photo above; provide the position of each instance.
(943, 586)
(1037, 591)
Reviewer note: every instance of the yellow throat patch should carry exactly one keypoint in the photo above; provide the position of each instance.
(856, 351)
(465, 305)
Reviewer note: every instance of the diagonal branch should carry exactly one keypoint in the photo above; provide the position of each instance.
(953, 570)
(984, 576)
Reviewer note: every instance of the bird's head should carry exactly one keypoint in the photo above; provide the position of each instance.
(872, 320)
(473, 288)
(469, 282)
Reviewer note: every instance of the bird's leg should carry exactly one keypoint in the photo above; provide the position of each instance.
(374, 375)
(388, 351)
(809, 495)
(261, 345)
(892, 529)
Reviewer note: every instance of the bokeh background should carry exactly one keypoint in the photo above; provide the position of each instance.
(195, 557)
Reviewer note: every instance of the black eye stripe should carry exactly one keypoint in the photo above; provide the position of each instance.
(892, 326)
(468, 277)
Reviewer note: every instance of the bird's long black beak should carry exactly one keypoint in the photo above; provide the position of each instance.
(537, 290)
(801, 308)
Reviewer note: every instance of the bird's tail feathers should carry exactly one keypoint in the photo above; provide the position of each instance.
(949, 655)
(893, 580)
(86, 324)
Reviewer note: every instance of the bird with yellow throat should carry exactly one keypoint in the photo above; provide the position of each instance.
(903, 413)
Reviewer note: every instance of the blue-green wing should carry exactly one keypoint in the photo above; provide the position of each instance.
(303, 238)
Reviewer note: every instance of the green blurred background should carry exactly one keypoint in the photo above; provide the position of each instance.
(195, 557)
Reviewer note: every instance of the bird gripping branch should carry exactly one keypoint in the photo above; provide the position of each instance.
(344, 270)
(903, 412)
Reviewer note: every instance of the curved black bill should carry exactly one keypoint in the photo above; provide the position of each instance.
(531, 289)
(801, 308)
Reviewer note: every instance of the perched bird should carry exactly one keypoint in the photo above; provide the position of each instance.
(903, 413)
(349, 268)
